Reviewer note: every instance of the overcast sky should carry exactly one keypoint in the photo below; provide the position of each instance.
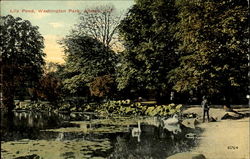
(54, 26)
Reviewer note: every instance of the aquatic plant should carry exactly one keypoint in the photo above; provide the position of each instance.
(138, 108)
(51, 149)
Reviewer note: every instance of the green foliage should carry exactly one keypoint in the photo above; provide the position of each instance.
(163, 110)
(76, 104)
(147, 35)
(21, 55)
(54, 69)
(122, 108)
(90, 60)
(213, 44)
(86, 59)
(65, 107)
(31, 105)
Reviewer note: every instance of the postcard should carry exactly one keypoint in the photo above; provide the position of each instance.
(124, 79)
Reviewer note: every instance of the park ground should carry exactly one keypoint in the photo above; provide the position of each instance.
(223, 139)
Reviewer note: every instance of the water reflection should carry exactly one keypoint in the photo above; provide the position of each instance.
(154, 143)
(121, 138)
(173, 128)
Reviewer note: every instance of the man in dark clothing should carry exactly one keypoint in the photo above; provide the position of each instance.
(205, 108)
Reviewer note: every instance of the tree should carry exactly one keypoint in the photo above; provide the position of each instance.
(99, 23)
(147, 34)
(213, 43)
(102, 86)
(86, 59)
(22, 56)
(53, 68)
(49, 86)
(88, 50)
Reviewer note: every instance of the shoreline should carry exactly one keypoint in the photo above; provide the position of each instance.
(223, 139)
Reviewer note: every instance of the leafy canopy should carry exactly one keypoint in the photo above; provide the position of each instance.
(21, 53)
(213, 44)
(147, 35)
(86, 59)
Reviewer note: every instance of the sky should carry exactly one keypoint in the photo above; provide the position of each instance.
(55, 25)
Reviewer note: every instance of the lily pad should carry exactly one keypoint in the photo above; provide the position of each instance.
(78, 149)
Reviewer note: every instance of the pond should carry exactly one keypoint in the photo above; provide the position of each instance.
(45, 135)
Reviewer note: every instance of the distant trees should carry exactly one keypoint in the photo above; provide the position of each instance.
(213, 45)
(148, 37)
(21, 48)
(50, 85)
(90, 60)
(87, 59)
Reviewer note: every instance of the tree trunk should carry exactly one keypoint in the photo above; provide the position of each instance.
(8, 99)
(8, 89)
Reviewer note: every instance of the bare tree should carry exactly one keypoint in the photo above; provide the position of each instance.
(101, 23)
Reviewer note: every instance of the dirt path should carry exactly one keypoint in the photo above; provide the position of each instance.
(225, 139)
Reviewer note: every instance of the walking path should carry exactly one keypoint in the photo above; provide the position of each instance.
(225, 139)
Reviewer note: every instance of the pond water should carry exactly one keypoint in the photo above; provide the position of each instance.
(45, 135)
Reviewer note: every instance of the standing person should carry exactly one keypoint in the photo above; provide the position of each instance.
(205, 108)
